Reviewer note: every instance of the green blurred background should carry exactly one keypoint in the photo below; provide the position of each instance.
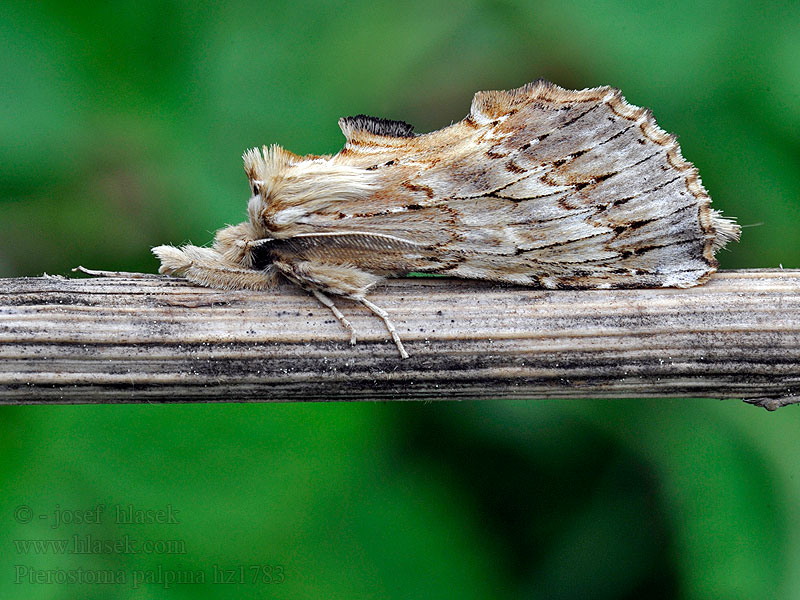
(121, 127)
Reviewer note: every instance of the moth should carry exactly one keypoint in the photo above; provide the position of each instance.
(537, 186)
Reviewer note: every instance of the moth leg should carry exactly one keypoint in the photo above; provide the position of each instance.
(336, 312)
(343, 280)
(389, 325)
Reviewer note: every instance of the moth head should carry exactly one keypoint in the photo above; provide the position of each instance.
(285, 187)
(265, 169)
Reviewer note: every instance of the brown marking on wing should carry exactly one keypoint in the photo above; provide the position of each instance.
(418, 188)
(515, 168)
(594, 180)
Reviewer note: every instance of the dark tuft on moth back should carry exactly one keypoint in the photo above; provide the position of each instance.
(376, 125)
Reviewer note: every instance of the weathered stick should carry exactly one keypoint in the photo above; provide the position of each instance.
(153, 338)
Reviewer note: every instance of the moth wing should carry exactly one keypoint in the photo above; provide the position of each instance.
(538, 185)
(561, 187)
(379, 253)
(547, 139)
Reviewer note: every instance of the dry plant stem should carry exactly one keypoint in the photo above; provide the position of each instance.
(123, 339)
